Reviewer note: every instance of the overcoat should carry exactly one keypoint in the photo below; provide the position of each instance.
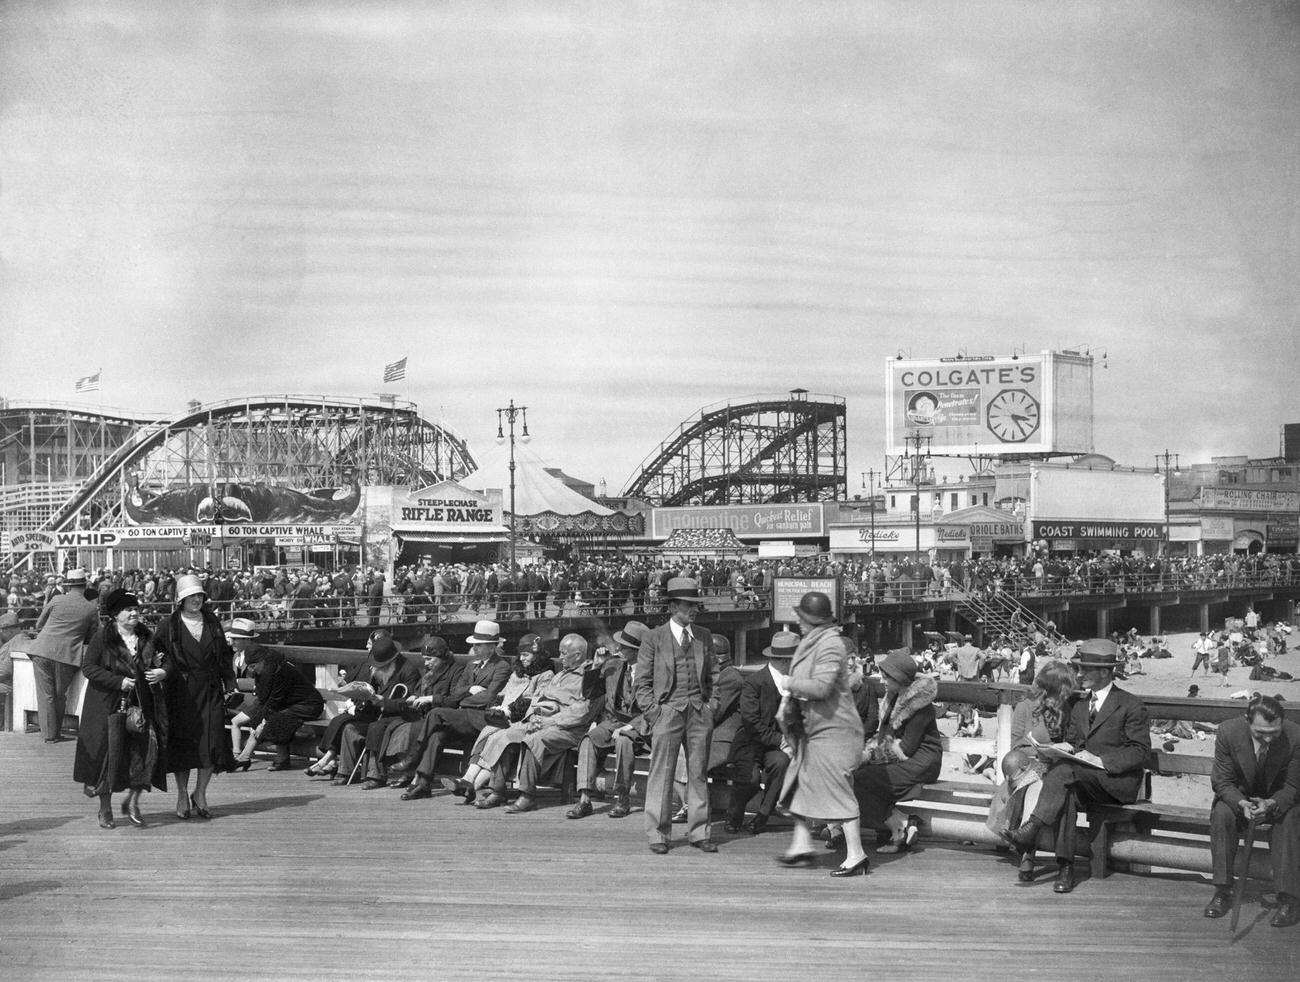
(107, 662)
(819, 781)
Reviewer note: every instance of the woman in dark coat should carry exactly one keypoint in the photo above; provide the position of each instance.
(903, 755)
(122, 665)
(202, 676)
(284, 700)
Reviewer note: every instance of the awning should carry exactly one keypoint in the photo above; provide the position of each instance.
(452, 533)
(453, 538)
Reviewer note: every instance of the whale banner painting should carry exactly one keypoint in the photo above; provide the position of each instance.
(230, 502)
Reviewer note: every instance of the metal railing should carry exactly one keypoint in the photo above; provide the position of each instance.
(1096, 584)
(289, 614)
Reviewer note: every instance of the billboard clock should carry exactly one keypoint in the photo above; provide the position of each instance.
(1013, 415)
(1025, 404)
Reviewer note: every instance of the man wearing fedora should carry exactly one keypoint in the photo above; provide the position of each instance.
(622, 727)
(674, 683)
(761, 750)
(1109, 730)
(65, 627)
(284, 697)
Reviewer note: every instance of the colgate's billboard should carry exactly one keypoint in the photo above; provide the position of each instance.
(1032, 404)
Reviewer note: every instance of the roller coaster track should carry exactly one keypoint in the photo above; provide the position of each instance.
(766, 449)
(153, 435)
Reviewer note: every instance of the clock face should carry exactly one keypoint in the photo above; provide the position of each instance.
(1013, 415)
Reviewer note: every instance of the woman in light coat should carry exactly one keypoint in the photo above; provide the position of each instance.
(821, 721)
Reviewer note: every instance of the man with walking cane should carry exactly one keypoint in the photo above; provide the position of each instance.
(1256, 780)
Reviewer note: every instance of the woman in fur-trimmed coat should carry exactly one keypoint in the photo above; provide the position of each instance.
(903, 755)
(121, 664)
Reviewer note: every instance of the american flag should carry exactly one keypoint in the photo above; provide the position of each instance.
(392, 373)
(89, 383)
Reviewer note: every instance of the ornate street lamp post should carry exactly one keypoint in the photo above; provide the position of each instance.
(869, 485)
(914, 442)
(508, 415)
(1165, 458)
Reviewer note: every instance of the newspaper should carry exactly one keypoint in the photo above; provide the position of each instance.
(1049, 752)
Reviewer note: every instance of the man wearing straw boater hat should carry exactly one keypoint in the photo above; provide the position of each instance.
(64, 629)
(761, 750)
(674, 682)
(480, 685)
(1110, 734)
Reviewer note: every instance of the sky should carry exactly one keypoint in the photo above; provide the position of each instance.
(618, 213)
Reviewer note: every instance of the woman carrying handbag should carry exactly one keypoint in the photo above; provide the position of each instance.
(121, 741)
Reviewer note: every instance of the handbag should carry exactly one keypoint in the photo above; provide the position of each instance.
(135, 721)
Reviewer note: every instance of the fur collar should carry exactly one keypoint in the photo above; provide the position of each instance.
(921, 693)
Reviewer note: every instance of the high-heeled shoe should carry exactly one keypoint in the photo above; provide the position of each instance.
(106, 819)
(203, 813)
(131, 809)
(241, 764)
(857, 869)
(183, 815)
(911, 833)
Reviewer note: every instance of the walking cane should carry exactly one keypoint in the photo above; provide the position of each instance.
(1240, 892)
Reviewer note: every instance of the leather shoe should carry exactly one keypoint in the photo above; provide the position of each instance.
(732, 828)
(280, 766)
(416, 792)
(581, 810)
(800, 860)
(106, 819)
(524, 803)
(1064, 879)
(622, 807)
(372, 784)
(705, 845)
(459, 788)
(489, 800)
(857, 869)
(133, 814)
(659, 848)
(679, 816)
(1025, 838)
(407, 763)
(757, 825)
(1220, 903)
(1286, 913)
(1025, 874)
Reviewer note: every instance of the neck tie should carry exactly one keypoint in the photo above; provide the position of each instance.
(1092, 709)
(1259, 769)
(686, 639)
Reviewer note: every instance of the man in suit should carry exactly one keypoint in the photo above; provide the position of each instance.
(761, 750)
(65, 626)
(477, 688)
(674, 683)
(725, 707)
(1109, 730)
(621, 728)
(1257, 775)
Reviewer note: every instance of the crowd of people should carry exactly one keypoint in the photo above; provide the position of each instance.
(428, 592)
(838, 741)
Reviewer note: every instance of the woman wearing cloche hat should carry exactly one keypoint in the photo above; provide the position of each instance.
(121, 666)
(820, 718)
(193, 640)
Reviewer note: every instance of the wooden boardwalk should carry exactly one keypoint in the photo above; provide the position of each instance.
(294, 879)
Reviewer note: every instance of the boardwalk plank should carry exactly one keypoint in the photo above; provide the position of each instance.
(297, 880)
